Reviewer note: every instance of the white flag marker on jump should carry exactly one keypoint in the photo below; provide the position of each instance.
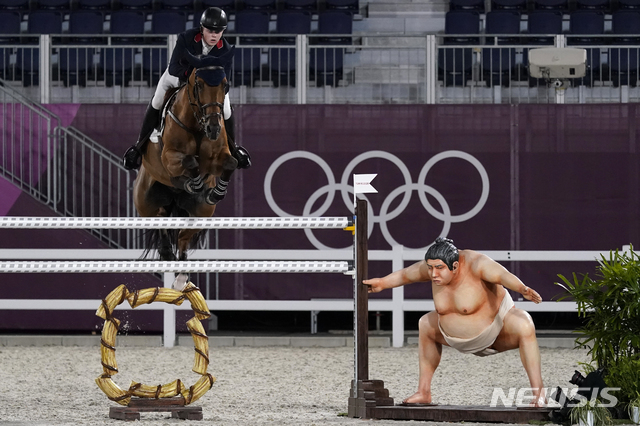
(362, 185)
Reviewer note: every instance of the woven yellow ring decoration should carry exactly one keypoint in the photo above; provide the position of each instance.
(110, 331)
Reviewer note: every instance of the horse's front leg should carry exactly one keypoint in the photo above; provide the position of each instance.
(184, 171)
(216, 194)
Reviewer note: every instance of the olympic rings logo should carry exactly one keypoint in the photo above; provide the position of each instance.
(444, 214)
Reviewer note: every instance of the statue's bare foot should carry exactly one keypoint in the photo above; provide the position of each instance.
(539, 402)
(418, 398)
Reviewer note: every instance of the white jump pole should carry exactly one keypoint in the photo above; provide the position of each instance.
(170, 267)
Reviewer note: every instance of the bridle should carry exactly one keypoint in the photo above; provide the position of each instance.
(200, 110)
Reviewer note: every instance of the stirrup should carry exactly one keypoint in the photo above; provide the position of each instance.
(243, 157)
(132, 158)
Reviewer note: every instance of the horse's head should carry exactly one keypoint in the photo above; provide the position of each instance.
(209, 84)
(209, 88)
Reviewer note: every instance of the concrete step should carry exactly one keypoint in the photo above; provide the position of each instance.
(387, 74)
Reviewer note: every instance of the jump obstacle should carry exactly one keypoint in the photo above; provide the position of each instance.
(172, 397)
(369, 399)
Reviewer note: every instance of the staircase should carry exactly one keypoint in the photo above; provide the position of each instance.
(62, 167)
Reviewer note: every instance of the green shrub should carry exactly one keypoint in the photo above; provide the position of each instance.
(610, 305)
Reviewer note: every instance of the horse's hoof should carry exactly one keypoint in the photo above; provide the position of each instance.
(180, 282)
(193, 186)
(213, 196)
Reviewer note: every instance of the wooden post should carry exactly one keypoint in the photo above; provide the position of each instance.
(361, 295)
(365, 394)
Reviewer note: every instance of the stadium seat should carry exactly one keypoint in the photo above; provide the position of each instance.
(326, 64)
(154, 59)
(559, 5)
(334, 27)
(587, 25)
(307, 5)
(624, 61)
(103, 5)
(15, 5)
(543, 22)
(59, 5)
(455, 64)
(168, 22)
(86, 24)
(520, 5)
(629, 4)
(9, 30)
(351, 6)
(469, 5)
(282, 61)
(182, 5)
(623, 65)
(604, 5)
(9, 26)
(626, 22)
(75, 64)
(44, 22)
(460, 22)
(262, 5)
(499, 64)
(254, 26)
(229, 6)
(126, 22)
(28, 59)
(119, 62)
(141, 5)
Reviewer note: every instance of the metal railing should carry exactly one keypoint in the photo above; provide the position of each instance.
(62, 167)
(368, 69)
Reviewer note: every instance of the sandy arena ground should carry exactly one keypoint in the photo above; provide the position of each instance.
(255, 385)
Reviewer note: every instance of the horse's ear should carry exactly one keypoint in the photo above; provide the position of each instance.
(195, 61)
(226, 58)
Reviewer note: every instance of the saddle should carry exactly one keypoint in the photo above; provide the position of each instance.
(169, 100)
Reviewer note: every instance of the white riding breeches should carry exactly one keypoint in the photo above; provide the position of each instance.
(168, 81)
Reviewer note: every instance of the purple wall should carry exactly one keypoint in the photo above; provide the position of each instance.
(560, 177)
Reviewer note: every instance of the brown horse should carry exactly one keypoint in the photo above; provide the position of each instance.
(187, 172)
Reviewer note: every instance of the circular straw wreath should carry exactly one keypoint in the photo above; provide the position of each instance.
(110, 331)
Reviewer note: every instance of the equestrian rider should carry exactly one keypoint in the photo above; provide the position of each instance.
(204, 40)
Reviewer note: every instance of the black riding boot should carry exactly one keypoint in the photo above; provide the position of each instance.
(132, 158)
(238, 152)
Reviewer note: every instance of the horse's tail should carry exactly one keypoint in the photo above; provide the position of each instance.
(166, 241)
(163, 241)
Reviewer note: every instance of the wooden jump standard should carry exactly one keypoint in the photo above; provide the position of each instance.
(370, 400)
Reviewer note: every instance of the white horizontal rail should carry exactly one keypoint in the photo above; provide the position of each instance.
(333, 305)
(510, 255)
(338, 254)
(204, 254)
(30, 222)
(184, 266)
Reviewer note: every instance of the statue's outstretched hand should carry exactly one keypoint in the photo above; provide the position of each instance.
(531, 294)
(375, 285)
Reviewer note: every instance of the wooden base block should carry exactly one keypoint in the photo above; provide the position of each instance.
(370, 400)
(461, 413)
(173, 405)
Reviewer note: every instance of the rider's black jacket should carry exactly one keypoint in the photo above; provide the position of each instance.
(191, 40)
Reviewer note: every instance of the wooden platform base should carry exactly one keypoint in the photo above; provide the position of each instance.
(174, 405)
(372, 402)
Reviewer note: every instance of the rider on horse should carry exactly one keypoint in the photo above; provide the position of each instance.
(204, 40)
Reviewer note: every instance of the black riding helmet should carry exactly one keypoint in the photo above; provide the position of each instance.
(214, 19)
